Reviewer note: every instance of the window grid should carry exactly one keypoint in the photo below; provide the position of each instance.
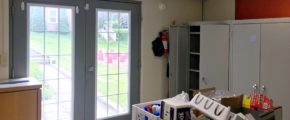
(62, 55)
(108, 61)
(107, 32)
(107, 95)
(58, 63)
(44, 51)
(45, 81)
(102, 75)
(113, 95)
(118, 99)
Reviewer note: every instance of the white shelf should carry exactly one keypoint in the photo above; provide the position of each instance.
(194, 53)
(193, 70)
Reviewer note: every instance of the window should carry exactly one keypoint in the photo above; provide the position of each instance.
(113, 55)
(50, 58)
(52, 15)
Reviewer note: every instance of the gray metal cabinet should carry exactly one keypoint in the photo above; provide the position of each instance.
(214, 56)
(198, 57)
(178, 42)
(275, 66)
(245, 58)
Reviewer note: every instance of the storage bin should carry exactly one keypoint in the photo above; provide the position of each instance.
(138, 112)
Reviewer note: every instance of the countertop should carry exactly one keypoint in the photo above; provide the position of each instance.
(22, 86)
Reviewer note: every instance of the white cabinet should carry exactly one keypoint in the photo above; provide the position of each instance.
(275, 64)
(214, 56)
(245, 58)
(260, 61)
(259, 58)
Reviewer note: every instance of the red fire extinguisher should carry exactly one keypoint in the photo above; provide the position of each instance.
(164, 38)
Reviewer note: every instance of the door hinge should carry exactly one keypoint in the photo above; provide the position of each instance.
(140, 64)
(11, 12)
(87, 6)
(77, 9)
(232, 31)
(22, 6)
(12, 73)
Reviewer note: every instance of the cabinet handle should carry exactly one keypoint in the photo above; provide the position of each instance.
(204, 81)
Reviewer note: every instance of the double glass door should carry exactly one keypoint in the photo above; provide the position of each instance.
(86, 58)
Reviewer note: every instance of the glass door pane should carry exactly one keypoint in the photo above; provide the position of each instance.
(51, 38)
(112, 58)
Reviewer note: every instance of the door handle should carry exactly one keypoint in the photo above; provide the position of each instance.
(263, 88)
(255, 87)
(91, 68)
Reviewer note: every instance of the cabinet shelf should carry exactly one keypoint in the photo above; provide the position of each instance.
(194, 62)
(193, 70)
(194, 57)
(194, 53)
(194, 80)
(194, 43)
(194, 33)
(194, 28)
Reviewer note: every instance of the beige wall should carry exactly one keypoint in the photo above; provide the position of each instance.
(219, 10)
(153, 74)
(4, 25)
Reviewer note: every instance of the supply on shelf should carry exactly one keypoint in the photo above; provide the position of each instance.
(209, 105)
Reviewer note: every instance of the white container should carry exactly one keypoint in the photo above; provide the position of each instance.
(138, 112)
(209, 107)
(173, 110)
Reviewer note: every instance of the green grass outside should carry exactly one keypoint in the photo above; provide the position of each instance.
(52, 46)
(104, 44)
(113, 87)
(36, 71)
(64, 47)
(102, 69)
